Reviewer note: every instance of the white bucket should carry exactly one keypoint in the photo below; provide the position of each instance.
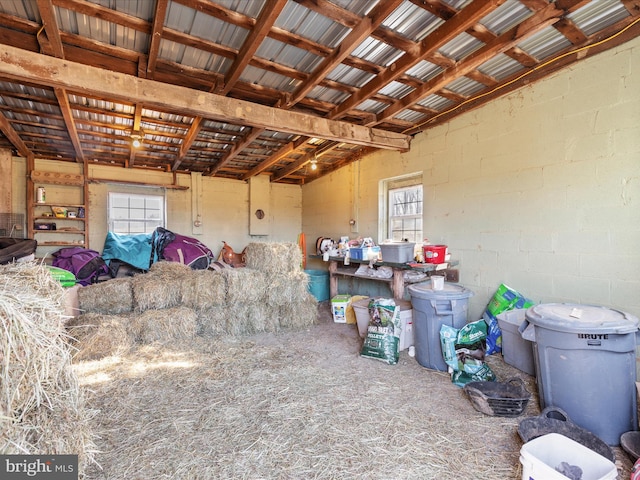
(541, 456)
(437, 282)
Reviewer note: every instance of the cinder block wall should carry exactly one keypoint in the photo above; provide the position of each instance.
(539, 190)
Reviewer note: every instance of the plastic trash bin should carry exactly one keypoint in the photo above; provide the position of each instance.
(431, 310)
(585, 359)
(318, 284)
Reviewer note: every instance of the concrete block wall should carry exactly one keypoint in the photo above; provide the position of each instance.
(539, 189)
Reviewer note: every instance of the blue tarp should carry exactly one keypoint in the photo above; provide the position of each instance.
(132, 249)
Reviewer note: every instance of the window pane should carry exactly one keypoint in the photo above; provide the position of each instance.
(405, 212)
(133, 214)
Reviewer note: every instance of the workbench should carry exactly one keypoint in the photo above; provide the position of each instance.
(338, 269)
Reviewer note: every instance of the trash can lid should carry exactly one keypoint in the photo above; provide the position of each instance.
(450, 291)
(576, 318)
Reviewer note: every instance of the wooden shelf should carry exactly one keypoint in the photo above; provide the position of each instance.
(72, 186)
(75, 231)
(79, 219)
(61, 244)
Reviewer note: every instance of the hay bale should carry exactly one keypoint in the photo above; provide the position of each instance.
(161, 287)
(41, 407)
(250, 318)
(287, 288)
(164, 325)
(110, 298)
(204, 289)
(212, 321)
(97, 336)
(273, 257)
(245, 285)
(299, 315)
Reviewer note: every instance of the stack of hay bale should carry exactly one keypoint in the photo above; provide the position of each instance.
(42, 411)
(172, 302)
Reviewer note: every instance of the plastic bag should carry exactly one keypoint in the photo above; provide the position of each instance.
(383, 332)
(464, 352)
(505, 298)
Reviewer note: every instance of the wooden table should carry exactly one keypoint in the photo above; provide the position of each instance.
(396, 282)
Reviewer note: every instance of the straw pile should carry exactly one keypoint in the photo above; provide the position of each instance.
(245, 285)
(287, 288)
(172, 302)
(161, 287)
(204, 289)
(168, 325)
(296, 405)
(96, 336)
(275, 258)
(110, 298)
(41, 409)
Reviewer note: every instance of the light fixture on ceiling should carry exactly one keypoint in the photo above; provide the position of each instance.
(314, 163)
(136, 138)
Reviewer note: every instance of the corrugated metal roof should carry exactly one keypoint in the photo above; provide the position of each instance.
(350, 76)
(372, 106)
(377, 52)
(359, 7)
(597, 16)
(500, 67)
(395, 89)
(326, 94)
(288, 55)
(410, 116)
(269, 79)
(435, 102)
(508, 15)
(545, 43)
(465, 86)
(412, 22)
(424, 71)
(299, 20)
(461, 46)
(199, 43)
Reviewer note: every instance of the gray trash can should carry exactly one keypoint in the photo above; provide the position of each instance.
(585, 359)
(432, 309)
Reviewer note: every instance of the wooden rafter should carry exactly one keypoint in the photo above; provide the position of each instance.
(55, 48)
(463, 20)
(509, 39)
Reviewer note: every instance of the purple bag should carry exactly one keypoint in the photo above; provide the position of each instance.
(87, 265)
(173, 247)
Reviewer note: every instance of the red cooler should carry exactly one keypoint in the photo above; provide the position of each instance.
(434, 253)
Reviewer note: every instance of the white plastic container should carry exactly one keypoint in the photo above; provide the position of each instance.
(339, 305)
(541, 456)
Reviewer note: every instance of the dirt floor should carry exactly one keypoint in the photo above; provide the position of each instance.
(293, 405)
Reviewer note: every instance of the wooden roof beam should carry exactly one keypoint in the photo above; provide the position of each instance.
(14, 138)
(462, 21)
(268, 15)
(509, 39)
(54, 44)
(358, 34)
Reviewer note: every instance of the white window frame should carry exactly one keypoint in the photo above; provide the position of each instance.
(115, 222)
(386, 186)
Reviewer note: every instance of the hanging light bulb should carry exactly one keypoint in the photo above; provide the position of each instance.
(136, 138)
(314, 162)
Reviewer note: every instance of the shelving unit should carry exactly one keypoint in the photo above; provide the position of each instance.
(69, 191)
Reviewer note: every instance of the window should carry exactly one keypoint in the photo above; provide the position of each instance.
(134, 213)
(403, 206)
